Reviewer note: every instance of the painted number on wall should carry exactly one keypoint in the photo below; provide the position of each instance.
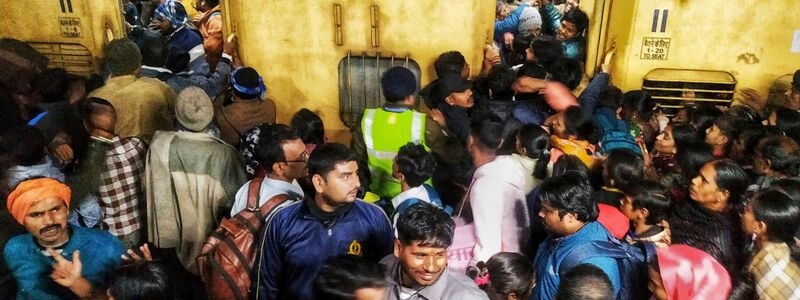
(70, 27)
(655, 48)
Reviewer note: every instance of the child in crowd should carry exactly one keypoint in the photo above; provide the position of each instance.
(646, 204)
(506, 275)
(412, 166)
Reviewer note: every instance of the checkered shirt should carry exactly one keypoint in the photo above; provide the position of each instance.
(776, 275)
(121, 192)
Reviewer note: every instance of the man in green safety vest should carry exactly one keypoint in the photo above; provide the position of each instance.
(384, 130)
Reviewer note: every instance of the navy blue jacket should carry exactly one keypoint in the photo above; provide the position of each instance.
(298, 244)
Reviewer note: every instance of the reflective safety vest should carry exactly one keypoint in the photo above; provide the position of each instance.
(384, 133)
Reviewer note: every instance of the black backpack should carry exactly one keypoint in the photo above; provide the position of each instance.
(631, 260)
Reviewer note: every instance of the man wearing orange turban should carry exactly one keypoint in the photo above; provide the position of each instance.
(51, 250)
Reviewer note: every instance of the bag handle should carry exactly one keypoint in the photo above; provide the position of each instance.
(253, 193)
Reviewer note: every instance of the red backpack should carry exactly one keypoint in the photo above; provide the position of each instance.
(226, 261)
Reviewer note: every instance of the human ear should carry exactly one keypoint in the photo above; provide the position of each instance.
(319, 183)
(397, 247)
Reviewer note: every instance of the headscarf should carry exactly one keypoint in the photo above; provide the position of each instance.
(690, 274)
(31, 191)
(172, 11)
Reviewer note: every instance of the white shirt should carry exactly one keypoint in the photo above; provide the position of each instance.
(497, 197)
(269, 188)
(416, 192)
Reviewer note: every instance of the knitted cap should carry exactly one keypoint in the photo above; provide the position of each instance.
(122, 57)
(193, 109)
(398, 83)
(529, 20)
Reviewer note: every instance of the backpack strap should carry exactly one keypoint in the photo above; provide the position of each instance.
(253, 191)
(433, 195)
(593, 249)
(406, 204)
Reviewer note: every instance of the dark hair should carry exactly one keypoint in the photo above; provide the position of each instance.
(326, 156)
(94, 106)
(509, 272)
(623, 166)
(790, 187)
(612, 97)
(451, 62)
(499, 80)
(702, 117)
(536, 143)
(154, 49)
(743, 112)
(731, 178)
(637, 105)
(577, 17)
(585, 282)
(26, 144)
(570, 164)
(781, 214)
(342, 276)
(309, 126)
(570, 194)
(142, 280)
(730, 127)
(652, 196)
(692, 157)
(743, 287)
(579, 124)
(52, 84)
(782, 153)
(416, 164)
(683, 134)
(518, 54)
(788, 122)
(567, 71)
(270, 144)
(547, 50)
(531, 69)
(426, 224)
(487, 132)
(246, 77)
(211, 3)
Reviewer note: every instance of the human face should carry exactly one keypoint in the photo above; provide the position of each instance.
(714, 136)
(370, 293)
(461, 99)
(793, 98)
(749, 221)
(47, 222)
(664, 141)
(421, 265)
(681, 117)
(504, 12)
(571, 4)
(704, 187)
(163, 25)
(553, 222)
(656, 284)
(465, 71)
(626, 207)
(339, 187)
(296, 162)
(558, 128)
(566, 31)
(760, 164)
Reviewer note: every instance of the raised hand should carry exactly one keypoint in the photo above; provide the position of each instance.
(134, 257)
(65, 272)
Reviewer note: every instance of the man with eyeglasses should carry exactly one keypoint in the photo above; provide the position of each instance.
(283, 155)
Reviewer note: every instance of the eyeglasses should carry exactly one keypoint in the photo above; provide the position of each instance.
(303, 158)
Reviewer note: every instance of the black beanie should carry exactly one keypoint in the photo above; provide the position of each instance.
(398, 83)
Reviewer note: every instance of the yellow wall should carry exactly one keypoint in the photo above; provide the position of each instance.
(291, 43)
(750, 40)
(38, 21)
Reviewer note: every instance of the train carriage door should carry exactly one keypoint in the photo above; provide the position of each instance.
(327, 55)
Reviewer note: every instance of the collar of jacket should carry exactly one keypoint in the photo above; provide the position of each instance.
(312, 211)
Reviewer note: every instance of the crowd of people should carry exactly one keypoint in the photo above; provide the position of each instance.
(166, 176)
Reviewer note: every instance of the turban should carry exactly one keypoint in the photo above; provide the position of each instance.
(29, 192)
(172, 11)
(689, 273)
